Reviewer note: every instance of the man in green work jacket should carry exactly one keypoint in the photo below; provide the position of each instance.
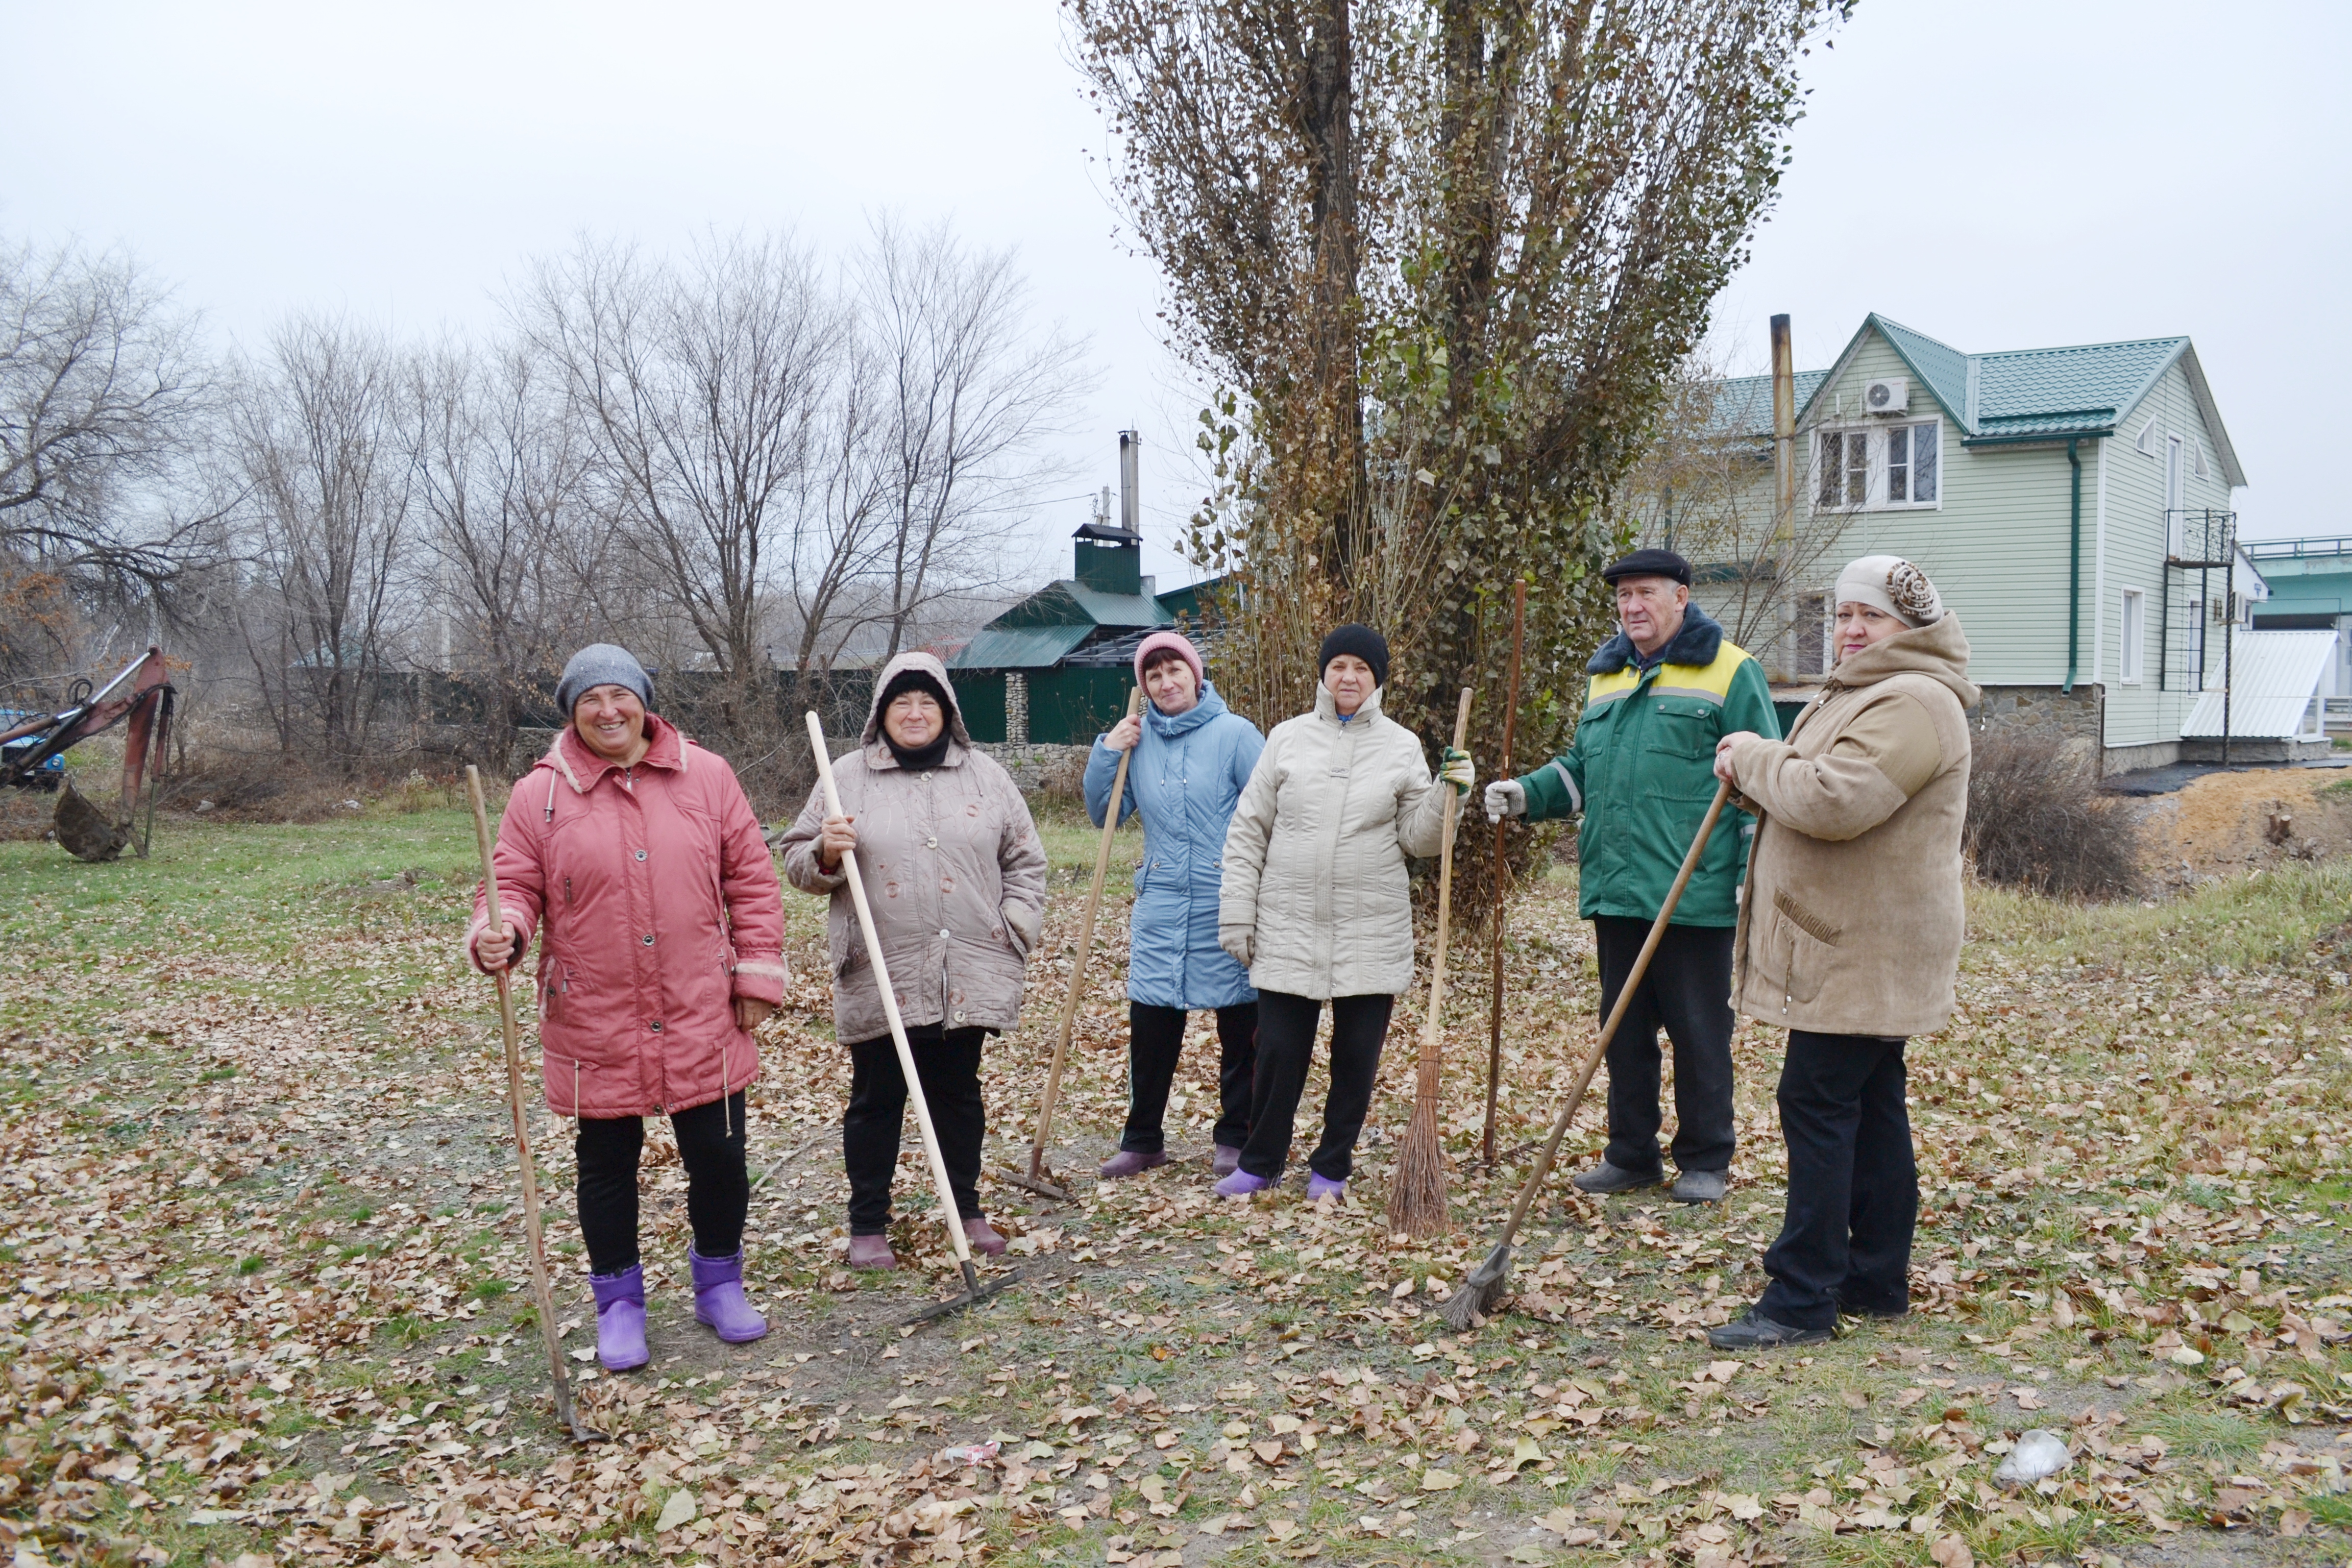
(1640, 771)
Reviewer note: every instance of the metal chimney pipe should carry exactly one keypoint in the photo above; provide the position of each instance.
(1784, 432)
(1131, 492)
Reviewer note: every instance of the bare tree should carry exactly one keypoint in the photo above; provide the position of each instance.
(1704, 486)
(319, 451)
(103, 389)
(499, 474)
(698, 389)
(968, 394)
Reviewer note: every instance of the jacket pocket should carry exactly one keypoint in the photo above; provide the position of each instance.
(1805, 946)
(1682, 727)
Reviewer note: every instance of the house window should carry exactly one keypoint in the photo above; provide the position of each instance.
(2175, 489)
(1911, 463)
(1883, 466)
(2144, 442)
(2134, 632)
(1810, 635)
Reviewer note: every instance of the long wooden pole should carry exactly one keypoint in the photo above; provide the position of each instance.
(1086, 950)
(534, 1238)
(1417, 1204)
(1503, 872)
(948, 1215)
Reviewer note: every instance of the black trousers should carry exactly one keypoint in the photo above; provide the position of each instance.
(1687, 992)
(1155, 1037)
(1853, 1187)
(948, 1065)
(712, 1142)
(1285, 1044)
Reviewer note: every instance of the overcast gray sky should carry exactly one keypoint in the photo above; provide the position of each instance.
(1999, 174)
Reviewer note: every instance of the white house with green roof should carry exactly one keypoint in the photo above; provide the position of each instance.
(2073, 505)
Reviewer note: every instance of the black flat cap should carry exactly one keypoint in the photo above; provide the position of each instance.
(1649, 564)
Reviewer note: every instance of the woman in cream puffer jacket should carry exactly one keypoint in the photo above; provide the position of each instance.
(1316, 901)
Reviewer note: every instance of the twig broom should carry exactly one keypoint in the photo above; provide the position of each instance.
(1490, 1279)
(1417, 1202)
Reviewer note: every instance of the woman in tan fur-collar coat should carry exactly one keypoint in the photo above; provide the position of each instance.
(1848, 936)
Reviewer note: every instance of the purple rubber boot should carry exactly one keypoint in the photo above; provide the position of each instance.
(1321, 1187)
(982, 1237)
(1227, 1161)
(621, 1318)
(1240, 1184)
(719, 1297)
(1130, 1162)
(871, 1252)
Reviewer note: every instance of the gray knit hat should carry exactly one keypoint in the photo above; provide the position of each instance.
(602, 664)
(1891, 584)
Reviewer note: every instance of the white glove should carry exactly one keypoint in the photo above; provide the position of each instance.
(1241, 942)
(1505, 797)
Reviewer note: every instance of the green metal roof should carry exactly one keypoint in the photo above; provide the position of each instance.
(1070, 603)
(1942, 367)
(2067, 391)
(1743, 405)
(1019, 647)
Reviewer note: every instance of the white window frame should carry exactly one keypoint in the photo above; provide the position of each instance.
(1877, 432)
(2175, 491)
(2144, 442)
(2131, 637)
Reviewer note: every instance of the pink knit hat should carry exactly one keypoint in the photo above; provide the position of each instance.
(1184, 649)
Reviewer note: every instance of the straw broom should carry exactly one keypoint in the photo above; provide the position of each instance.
(1417, 1204)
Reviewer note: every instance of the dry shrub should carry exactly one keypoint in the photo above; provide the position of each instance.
(2036, 821)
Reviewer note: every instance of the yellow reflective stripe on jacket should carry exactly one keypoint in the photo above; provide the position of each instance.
(1710, 681)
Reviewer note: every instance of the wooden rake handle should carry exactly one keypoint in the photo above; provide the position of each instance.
(948, 1215)
(1445, 880)
(535, 1237)
(1086, 950)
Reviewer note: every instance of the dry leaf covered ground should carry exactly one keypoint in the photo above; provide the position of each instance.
(266, 1301)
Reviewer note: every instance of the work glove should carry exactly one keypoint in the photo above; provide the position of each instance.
(1455, 768)
(1505, 797)
(1239, 941)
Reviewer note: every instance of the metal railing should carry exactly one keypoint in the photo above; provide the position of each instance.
(2296, 549)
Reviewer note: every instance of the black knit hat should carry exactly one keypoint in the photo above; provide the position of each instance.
(914, 681)
(1363, 642)
(1649, 564)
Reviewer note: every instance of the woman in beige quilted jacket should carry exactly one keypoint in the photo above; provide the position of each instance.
(1849, 937)
(956, 877)
(1316, 903)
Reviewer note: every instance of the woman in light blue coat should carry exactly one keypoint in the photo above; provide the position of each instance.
(1192, 755)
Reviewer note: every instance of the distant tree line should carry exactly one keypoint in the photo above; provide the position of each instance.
(743, 459)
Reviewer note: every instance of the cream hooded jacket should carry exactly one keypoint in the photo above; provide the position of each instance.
(954, 871)
(1314, 897)
(1852, 917)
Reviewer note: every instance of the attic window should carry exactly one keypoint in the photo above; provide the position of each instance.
(2146, 442)
(2197, 456)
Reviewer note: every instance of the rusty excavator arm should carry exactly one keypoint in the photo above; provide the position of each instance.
(141, 697)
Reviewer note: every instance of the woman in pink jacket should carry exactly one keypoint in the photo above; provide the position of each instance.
(634, 851)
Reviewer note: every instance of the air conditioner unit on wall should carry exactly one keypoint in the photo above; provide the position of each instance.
(1889, 395)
